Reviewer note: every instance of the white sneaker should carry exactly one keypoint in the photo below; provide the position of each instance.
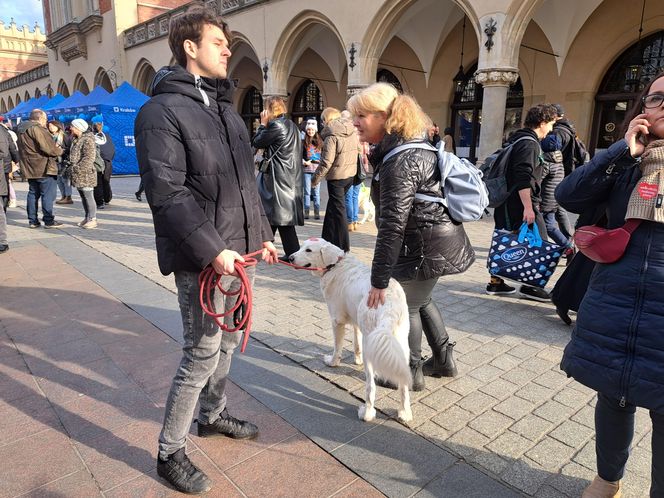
(12, 203)
(82, 222)
(90, 224)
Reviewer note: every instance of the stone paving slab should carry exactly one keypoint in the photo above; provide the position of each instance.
(508, 350)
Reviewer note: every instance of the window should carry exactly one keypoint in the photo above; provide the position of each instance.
(621, 85)
(467, 113)
(385, 76)
(252, 105)
(308, 102)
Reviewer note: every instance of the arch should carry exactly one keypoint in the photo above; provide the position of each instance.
(242, 48)
(381, 28)
(621, 85)
(18, 99)
(37, 93)
(252, 105)
(292, 44)
(10, 104)
(49, 91)
(81, 85)
(63, 89)
(102, 79)
(308, 102)
(3, 106)
(143, 76)
(26, 96)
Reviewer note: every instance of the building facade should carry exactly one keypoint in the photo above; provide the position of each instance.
(474, 65)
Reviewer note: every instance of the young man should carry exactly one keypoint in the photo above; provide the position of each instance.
(524, 177)
(198, 171)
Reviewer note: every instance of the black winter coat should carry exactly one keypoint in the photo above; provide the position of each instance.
(197, 167)
(566, 133)
(524, 171)
(553, 173)
(617, 346)
(281, 186)
(8, 153)
(416, 240)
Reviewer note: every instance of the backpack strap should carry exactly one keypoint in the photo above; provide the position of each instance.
(410, 145)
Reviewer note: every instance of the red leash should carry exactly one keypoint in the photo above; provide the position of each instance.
(209, 279)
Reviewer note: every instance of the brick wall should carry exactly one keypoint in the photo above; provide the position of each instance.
(47, 15)
(147, 9)
(13, 67)
(105, 5)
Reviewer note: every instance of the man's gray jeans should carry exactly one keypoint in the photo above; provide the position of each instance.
(205, 363)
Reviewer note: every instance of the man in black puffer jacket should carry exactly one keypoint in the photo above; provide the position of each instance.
(197, 167)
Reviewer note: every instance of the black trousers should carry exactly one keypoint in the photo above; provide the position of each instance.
(335, 224)
(424, 317)
(288, 238)
(102, 191)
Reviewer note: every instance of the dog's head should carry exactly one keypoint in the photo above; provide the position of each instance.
(317, 253)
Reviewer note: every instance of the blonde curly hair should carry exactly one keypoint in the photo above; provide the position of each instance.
(405, 117)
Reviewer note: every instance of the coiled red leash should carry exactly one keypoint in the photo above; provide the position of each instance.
(209, 279)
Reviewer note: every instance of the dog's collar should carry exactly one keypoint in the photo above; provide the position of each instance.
(329, 267)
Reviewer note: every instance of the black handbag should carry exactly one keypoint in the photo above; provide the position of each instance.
(360, 175)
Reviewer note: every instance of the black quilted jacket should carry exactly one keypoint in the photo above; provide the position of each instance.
(197, 166)
(416, 240)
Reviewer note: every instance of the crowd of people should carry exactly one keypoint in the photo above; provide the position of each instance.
(211, 203)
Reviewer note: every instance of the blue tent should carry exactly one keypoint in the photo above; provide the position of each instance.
(35, 103)
(119, 110)
(90, 104)
(66, 107)
(55, 100)
(13, 112)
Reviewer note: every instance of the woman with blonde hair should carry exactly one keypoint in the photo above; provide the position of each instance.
(338, 165)
(280, 181)
(417, 241)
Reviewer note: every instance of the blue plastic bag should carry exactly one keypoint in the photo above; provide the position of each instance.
(523, 256)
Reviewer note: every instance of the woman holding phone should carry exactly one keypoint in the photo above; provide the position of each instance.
(617, 347)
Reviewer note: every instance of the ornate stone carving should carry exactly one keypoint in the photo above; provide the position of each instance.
(496, 77)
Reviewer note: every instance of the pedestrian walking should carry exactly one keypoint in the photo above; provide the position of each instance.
(311, 149)
(8, 153)
(103, 192)
(83, 173)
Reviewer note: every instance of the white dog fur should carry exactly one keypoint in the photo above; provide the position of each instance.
(345, 283)
(366, 205)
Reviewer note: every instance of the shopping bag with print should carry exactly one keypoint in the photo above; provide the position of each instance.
(523, 256)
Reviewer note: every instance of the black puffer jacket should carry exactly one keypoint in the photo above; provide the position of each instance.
(281, 186)
(8, 153)
(524, 171)
(553, 173)
(416, 240)
(566, 133)
(198, 170)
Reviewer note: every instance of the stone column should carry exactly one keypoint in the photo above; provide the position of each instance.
(496, 83)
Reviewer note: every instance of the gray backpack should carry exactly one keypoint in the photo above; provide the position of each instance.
(464, 194)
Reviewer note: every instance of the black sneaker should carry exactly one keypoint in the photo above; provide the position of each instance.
(501, 289)
(138, 196)
(182, 474)
(55, 224)
(228, 426)
(4, 248)
(563, 314)
(535, 293)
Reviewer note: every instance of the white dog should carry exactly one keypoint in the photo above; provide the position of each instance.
(345, 283)
(366, 205)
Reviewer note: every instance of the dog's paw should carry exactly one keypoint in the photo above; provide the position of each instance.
(331, 361)
(358, 359)
(366, 415)
(405, 415)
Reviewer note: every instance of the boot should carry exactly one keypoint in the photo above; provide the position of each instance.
(61, 200)
(316, 213)
(306, 214)
(351, 227)
(600, 488)
(68, 200)
(441, 363)
(417, 374)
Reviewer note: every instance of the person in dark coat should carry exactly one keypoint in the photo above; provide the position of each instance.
(617, 346)
(197, 165)
(281, 183)
(524, 178)
(103, 193)
(8, 153)
(417, 241)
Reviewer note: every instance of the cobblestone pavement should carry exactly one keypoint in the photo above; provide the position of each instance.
(511, 412)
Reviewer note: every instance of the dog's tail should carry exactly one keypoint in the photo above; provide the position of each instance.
(387, 355)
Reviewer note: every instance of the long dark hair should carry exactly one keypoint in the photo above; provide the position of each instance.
(315, 140)
(637, 107)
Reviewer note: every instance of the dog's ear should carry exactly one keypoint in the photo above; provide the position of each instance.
(331, 254)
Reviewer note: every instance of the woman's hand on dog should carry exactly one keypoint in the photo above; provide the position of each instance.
(376, 297)
(270, 255)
